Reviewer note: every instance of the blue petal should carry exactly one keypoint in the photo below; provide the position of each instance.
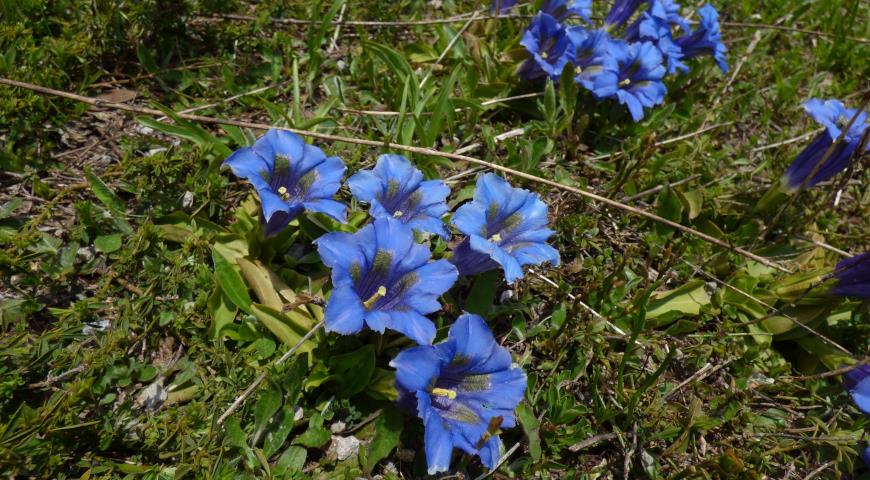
(328, 181)
(377, 320)
(438, 440)
(364, 185)
(490, 452)
(512, 269)
(272, 203)
(245, 163)
(338, 249)
(470, 219)
(413, 325)
(534, 254)
(393, 236)
(279, 142)
(473, 341)
(435, 278)
(861, 395)
(430, 224)
(344, 311)
(334, 209)
(417, 367)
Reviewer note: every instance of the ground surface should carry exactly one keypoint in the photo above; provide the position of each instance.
(118, 353)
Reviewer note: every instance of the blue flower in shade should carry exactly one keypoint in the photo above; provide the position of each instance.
(669, 11)
(620, 12)
(705, 39)
(562, 9)
(657, 30)
(639, 78)
(834, 116)
(857, 383)
(498, 7)
(595, 66)
(382, 279)
(466, 389)
(395, 188)
(506, 227)
(547, 41)
(853, 279)
(290, 176)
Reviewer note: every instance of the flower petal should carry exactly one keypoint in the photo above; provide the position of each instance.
(413, 325)
(416, 367)
(344, 311)
(332, 208)
(438, 441)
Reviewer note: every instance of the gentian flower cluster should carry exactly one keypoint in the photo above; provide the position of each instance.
(466, 388)
(833, 116)
(857, 383)
(626, 60)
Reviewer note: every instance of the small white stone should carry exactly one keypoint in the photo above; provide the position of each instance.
(337, 427)
(343, 447)
(187, 199)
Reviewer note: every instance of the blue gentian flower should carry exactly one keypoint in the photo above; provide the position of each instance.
(466, 389)
(857, 383)
(853, 278)
(290, 176)
(705, 40)
(834, 116)
(562, 9)
(595, 66)
(669, 11)
(621, 12)
(499, 7)
(657, 30)
(382, 279)
(639, 78)
(506, 227)
(547, 41)
(395, 188)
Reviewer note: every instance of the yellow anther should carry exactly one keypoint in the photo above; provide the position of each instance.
(382, 291)
(397, 213)
(282, 191)
(578, 70)
(495, 238)
(544, 55)
(625, 82)
(443, 392)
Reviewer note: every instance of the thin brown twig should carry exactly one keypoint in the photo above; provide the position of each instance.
(765, 26)
(411, 149)
(356, 23)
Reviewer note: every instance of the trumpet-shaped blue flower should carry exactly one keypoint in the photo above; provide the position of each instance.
(498, 7)
(705, 40)
(639, 83)
(621, 12)
(465, 388)
(395, 188)
(290, 176)
(650, 27)
(562, 9)
(857, 383)
(853, 278)
(547, 41)
(834, 116)
(669, 11)
(595, 66)
(382, 279)
(506, 227)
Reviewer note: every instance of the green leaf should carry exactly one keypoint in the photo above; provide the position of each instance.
(290, 462)
(531, 427)
(388, 428)
(687, 300)
(104, 194)
(108, 243)
(230, 282)
(282, 327)
(267, 405)
(9, 207)
(482, 295)
(353, 371)
(668, 206)
(316, 436)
